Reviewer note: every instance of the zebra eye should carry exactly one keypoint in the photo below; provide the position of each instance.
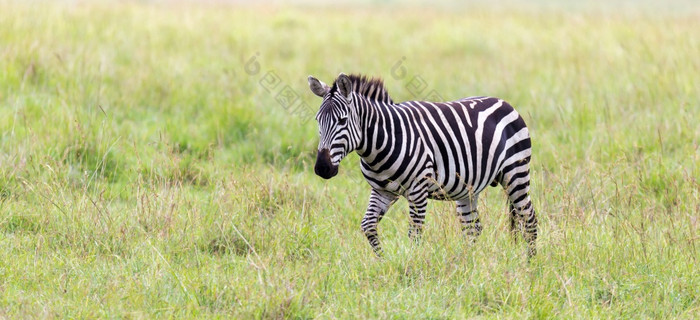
(342, 121)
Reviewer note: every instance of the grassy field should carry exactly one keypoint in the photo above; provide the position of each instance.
(149, 168)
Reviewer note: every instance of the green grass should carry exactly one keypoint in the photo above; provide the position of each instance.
(146, 172)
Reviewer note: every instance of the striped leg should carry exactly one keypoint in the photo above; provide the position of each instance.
(417, 202)
(516, 182)
(417, 212)
(527, 221)
(469, 216)
(379, 203)
(513, 217)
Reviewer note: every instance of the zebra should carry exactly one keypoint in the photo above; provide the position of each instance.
(426, 150)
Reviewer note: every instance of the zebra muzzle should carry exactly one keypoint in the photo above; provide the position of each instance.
(324, 167)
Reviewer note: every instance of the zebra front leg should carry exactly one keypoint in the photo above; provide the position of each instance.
(379, 203)
(417, 202)
(469, 217)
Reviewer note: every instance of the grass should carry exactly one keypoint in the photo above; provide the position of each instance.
(146, 170)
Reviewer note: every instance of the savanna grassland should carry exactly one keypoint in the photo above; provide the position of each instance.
(155, 163)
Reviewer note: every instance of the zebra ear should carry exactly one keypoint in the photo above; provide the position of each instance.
(318, 87)
(344, 85)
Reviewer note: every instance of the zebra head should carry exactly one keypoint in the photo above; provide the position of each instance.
(337, 124)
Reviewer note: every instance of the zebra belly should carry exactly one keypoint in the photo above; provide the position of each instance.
(378, 181)
(455, 188)
(437, 187)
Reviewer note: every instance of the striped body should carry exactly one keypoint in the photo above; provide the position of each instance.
(426, 150)
(490, 136)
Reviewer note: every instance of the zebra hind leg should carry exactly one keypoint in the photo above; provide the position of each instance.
(513, 216)
(523, 219)
(469, 217)
(527, 222)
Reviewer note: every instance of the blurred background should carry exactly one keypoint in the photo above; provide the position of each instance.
(155, 158)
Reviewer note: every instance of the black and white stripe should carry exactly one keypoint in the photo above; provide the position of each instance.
(426, 150)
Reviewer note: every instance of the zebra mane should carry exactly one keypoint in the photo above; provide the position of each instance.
(370, 88)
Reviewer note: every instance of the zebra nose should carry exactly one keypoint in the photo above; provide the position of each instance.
(324, 167)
